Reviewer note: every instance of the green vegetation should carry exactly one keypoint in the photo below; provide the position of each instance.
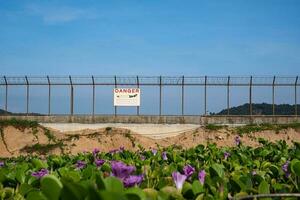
(260, 109)
(202, 172)
(214, 127)
(107, 129)
(42, 149)
(19, 123)
(130, 137)
(251, 128)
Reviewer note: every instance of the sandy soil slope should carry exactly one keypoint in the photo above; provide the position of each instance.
(16, 142)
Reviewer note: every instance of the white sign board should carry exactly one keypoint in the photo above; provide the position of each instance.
(127, 97)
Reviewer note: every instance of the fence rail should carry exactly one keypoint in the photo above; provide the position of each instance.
(159, 81)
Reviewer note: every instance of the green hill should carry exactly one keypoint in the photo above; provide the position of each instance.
(261, 109)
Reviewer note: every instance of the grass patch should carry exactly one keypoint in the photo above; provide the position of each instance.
(49, 135)
(131, 138)
(19, 123)
(214, 127)
(92, 135)
(71, 137)
(107, 129)
(42, 149)
(251, 128)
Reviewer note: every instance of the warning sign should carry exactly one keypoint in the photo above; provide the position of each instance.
(127, 97)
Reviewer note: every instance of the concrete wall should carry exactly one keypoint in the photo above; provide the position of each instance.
(159, 119)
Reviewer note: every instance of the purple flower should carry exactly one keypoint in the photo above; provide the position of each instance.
(285, 169)
(164, 155)
(40, 174)
(133, 180)
(96, 151)
(142, 157)
(178, 179)
(154, 151)
(237, 140)
(1, 164)
(113, 151)
(201, 176)
(122, 148)
(99, 162)
(188, 171)
(226, 155)
(80, 164)
(253, 173)
(121, 170)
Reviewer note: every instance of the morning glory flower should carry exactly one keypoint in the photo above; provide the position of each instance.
(237, 140)
(121, 170)
(164, 155)
(188, 170)
(80, 164)
(178, 179)
(133, 180)
(95, 151)
(40, 174)
(99, 162)
(154, 151)
(285, 168)
(1, 164)
(142, 157)
(226, 155)
(201, 176)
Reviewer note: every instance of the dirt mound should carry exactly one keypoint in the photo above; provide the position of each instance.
(40, 140)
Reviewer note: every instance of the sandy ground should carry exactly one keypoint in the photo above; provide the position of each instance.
(81, 139)
(155, 131)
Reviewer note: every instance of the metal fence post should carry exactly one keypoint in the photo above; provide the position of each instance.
(205, 95)
(138, 85)
(160, 95)
(6, 92)
(93, 81)
(27, 95)
(228, 82)
(296, 108)
(182, 96)
(250, 96)
(49, 95)
(71, 97)
(273, 95)
(115, 88)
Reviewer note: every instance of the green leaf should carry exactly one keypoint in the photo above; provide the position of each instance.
(217, 169)
(39, 164)
(113, 184)
(25, 188)
(264, 188)
(295, 167)
(51, 187)
(151, 194)
(36, 195)
(105, 195)
(72, 191)
(197, 187)
(172, 191)
(135, 194)
(187, 190)
(100, 182)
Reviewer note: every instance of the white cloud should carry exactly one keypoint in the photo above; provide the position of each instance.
(60, 14)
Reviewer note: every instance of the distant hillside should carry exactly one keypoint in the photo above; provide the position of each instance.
(3, 112)
(261, 109)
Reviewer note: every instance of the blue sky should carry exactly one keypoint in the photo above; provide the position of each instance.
(150, 37)
(157, 37)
